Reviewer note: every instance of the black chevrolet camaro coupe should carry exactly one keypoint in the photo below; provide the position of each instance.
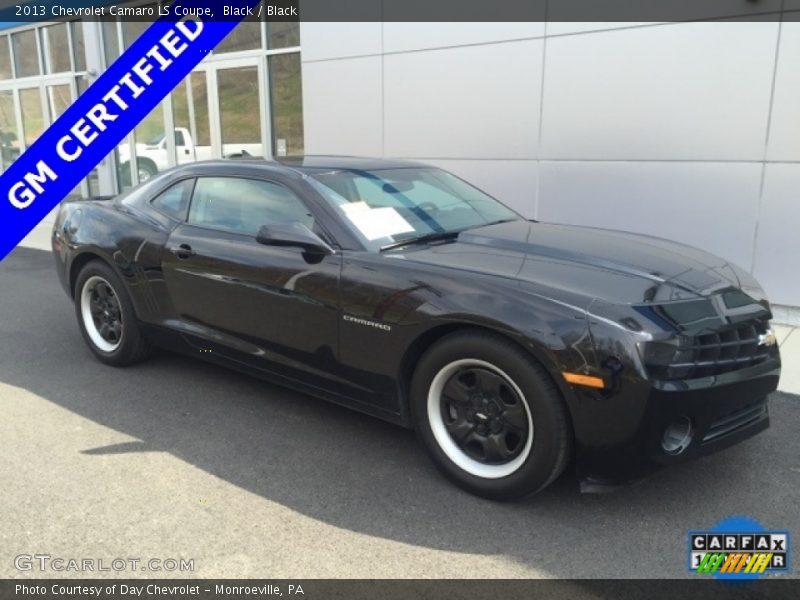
(512, 347)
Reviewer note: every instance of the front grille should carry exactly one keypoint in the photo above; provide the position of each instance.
(736, 420)
(727, 349)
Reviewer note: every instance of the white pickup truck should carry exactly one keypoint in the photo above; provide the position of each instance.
(151, 157)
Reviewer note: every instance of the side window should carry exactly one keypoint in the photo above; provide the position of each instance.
(174, 201)
(179, 141)
(244, 205)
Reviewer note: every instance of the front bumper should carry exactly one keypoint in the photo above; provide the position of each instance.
(619, 434)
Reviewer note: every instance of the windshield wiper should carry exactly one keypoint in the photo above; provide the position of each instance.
(423, 239)
(439, 235)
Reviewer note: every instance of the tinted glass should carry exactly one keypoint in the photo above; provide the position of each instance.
(191, 118)
(59, 98)
(32, 118)
(239, 111)
(390, 205)
(131, 30)
(154, 156)
(78, 47)
(25, 53)
(110, 39)
(245, 36)
(283, 34)
(287, 104)
(244, 205)
(9, 141)
(175, 200)
(5, 58)
(56, 44)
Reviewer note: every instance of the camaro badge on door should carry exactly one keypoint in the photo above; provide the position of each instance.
(367, 323)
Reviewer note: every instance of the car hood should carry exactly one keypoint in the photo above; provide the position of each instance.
(586, 262)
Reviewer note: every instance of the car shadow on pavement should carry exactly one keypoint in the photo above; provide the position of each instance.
(361, 474)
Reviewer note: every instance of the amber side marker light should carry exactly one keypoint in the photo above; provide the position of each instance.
(587, 380)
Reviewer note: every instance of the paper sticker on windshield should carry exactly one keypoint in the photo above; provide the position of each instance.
(352, 207)
(377, 223)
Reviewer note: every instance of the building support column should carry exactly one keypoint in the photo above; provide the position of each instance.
(95, 64)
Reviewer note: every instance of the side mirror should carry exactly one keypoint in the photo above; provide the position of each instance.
(292, 233)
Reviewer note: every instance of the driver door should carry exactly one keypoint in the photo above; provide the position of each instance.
(270, 307)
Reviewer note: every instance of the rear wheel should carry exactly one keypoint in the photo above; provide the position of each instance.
(106, 316)
(489, 416)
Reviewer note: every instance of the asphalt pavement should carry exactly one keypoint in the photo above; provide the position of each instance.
(175, 458)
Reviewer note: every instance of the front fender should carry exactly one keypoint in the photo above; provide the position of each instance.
(557, 336)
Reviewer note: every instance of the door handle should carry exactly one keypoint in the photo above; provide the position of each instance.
(183, 251)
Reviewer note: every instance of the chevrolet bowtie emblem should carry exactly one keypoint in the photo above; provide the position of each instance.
(767, 338)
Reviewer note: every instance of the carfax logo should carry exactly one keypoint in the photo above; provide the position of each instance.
(739, 548)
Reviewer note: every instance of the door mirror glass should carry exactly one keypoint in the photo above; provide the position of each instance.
(292, 233)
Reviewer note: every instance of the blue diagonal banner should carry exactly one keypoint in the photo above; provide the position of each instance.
(103, 115)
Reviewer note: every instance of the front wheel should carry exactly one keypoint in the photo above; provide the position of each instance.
(489, 416)
(106, 317)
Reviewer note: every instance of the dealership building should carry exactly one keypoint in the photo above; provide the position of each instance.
(687, 131)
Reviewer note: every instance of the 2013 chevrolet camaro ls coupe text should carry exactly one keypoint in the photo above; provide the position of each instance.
(397, 289)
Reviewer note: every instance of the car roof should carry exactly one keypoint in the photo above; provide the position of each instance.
(345, 163)
(298, 164)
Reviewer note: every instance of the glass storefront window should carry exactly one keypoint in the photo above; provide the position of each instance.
(32, 117)
(151, 147)
(283, 34)
(5, 58)
(234, 130)
(151, 129)
(26, 56)
(110, 40)
(9, 141)
(240, 95)
(190, 114)
(131, 30)
(56, 46)
(59, 98)
(245, 36)
(239, 112)
(287, 104)
(93, 178)
(78, 46)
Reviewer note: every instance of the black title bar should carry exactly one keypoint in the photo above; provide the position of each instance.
(415, 10)
(409, 589)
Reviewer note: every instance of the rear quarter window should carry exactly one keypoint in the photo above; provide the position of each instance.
(174, 201)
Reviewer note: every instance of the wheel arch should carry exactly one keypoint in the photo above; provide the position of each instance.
(83, 259)
(144, 160)
(80, 261)
(429, 337)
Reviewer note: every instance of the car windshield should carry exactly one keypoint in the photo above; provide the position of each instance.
(386, 206)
